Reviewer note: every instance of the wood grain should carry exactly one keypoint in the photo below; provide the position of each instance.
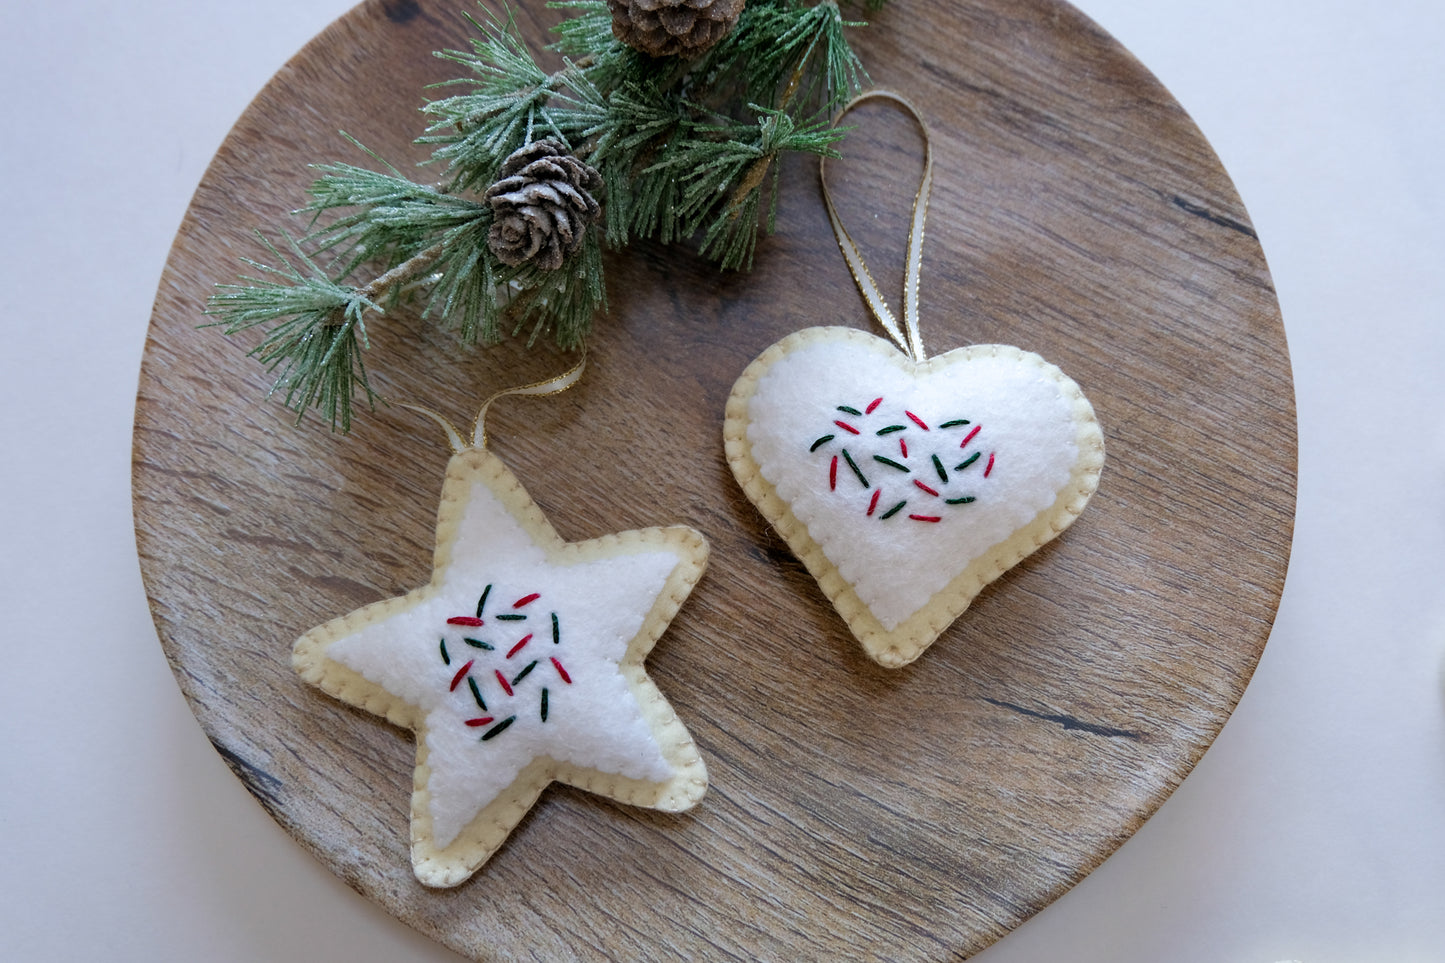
(855, 812)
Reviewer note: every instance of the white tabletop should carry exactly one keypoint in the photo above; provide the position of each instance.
(1314, 829)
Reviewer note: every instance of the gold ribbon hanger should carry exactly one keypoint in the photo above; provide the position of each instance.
(908, 339)
(551, 386)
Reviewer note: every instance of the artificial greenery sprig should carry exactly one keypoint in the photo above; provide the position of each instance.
(687, 149)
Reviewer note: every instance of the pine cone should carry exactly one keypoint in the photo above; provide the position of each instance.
(541, 205)
(662, 28)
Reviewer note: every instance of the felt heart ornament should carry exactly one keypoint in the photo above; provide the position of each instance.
(908, 486)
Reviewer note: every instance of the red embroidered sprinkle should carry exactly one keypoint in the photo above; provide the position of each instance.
(518, 647)
(926, 518)
(874, 503)
(969, 437)
(562, 672)
(846, 427)
(925, 488)
(990, 465)
(916, 420)
(506, 686)
(482, 721)
(871, 408)
(461, 674)
(833, 475)
(903, 446)
(465, 620)
(526, 600)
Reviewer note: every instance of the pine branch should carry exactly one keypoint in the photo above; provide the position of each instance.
(687, 150)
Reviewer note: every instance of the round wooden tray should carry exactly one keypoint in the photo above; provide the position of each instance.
(855, 812)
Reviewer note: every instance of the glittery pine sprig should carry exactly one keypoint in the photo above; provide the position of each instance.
(687, 149)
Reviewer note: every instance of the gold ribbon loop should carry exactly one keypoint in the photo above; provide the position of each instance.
(551, 386)
(908, 339)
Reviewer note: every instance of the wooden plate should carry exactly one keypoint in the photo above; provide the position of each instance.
(855, 812)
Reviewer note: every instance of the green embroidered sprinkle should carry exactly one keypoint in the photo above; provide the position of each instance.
(446, 659)
(511, 618)
(955, 423)
(481, 602)
(544, 705)
(891, 429)
(478, 644)
(850, 411)
(476, 693)
(894, 510)
(959, 501)
(856, 470)
(523, 674)
(967, 461)
(892, 464)
(938, 467)
(556, 630)
(821, 442)
(498, 729)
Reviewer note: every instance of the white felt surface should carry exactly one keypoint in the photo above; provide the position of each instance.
(593, 720)
(1025, 438)
(1312, 830)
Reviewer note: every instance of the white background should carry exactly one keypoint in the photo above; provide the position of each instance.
(1313, 829)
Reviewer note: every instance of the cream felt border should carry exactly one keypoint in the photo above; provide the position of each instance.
(905, 643)
(484, 835)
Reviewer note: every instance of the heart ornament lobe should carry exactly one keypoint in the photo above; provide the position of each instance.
(907, 487)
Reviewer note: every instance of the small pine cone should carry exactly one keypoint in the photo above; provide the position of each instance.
(662, 28)
(541, 205)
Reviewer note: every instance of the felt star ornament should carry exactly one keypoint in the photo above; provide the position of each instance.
(519, 664)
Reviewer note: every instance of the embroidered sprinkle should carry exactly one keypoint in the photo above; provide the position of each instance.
(821, 442)
(833, 474)
(446, 659)
(925, 488)
(523, 674)
(478, 644)
(510, 617)
(482, 721)
(477, 693)
(526, 600)
(466, 620)
(894, 510)
(959, 501)
(916, 420)
(499, 728)
(461, 674)
(967, 461)
(482, 602)
(556, 630)
(850, 411)
(891, 429)
(938, 467)
(926, 518)
(969, 437)
(874, 405)
(955, 423)
(562, 672)
(891, 463)
(874, 503)
(544, 705)
(846, 427)
(990, 465)
(518, 647)
(854, 465)
(506, 686)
